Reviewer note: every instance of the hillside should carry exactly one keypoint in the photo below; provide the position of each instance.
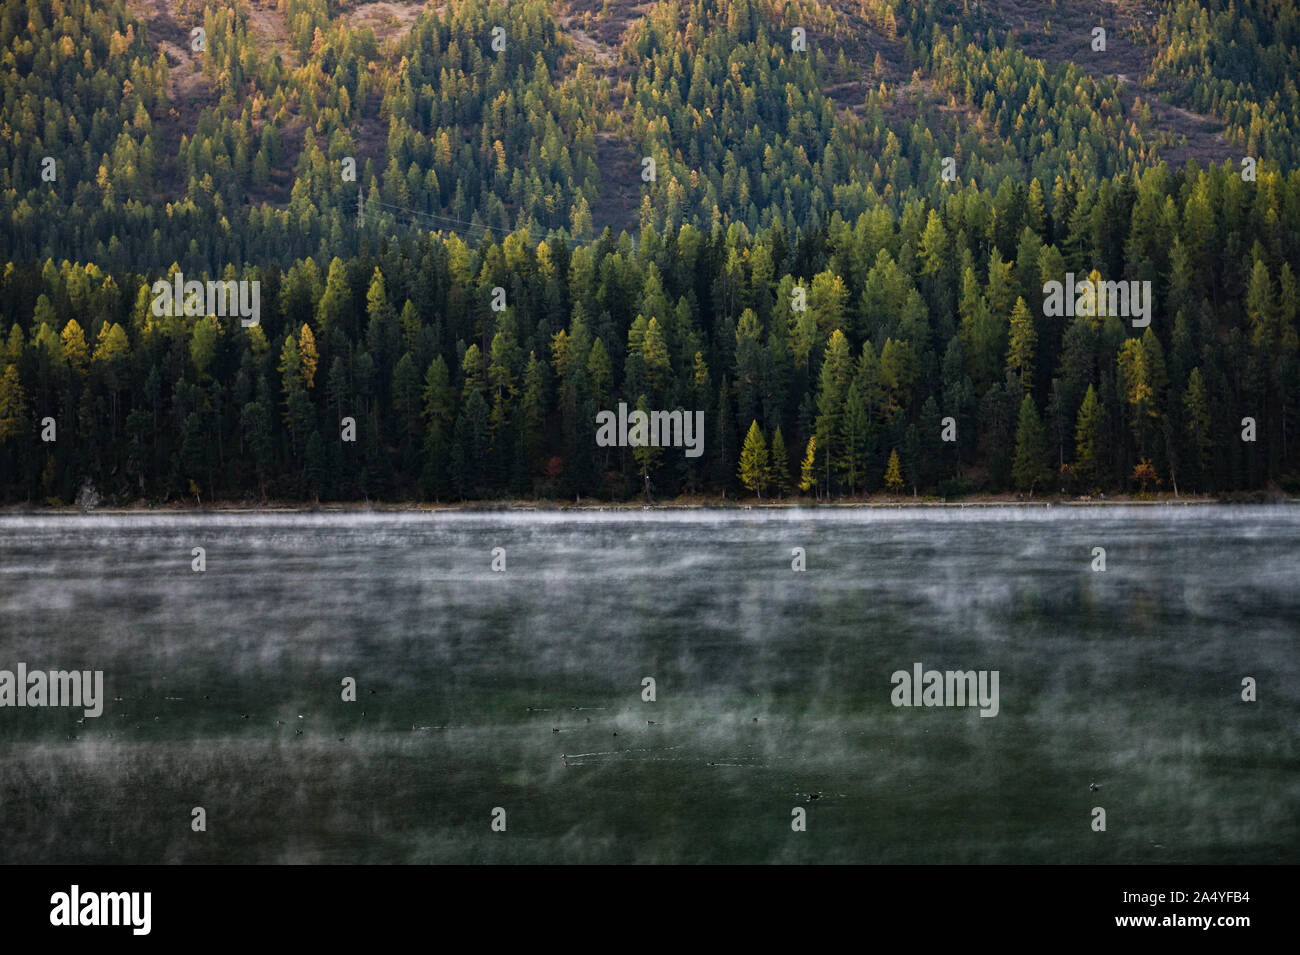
(915, 174)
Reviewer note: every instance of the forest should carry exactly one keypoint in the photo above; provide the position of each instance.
(479, 227)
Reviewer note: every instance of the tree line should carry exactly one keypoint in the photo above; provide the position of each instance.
(861, 340)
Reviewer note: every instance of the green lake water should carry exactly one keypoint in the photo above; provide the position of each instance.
(476, 687)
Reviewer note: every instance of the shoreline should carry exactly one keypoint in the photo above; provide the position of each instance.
(881, 502)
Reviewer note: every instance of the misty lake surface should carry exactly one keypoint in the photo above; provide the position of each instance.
(522, 689)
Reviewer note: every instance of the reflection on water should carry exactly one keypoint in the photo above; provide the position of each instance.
(522, 689)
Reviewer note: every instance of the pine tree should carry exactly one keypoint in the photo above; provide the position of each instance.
(836, 370)
(256, 424)
(855, 426)
(826, 301)
(501, 379)
(894, 474)
(471, 367)
(335, 304)
(1136, 380)
(1030, 467)
(407, 401)
(307, 355)
(1259, 307)
(654, 358)
(532, 410)
(439, 407)
(600, 377)
(75, 351)
(14, 346)
(472, 448)
(749, 362)
(290, 369)
(646, 455)
(1089, 437)
(112, 345)
(723, 443)
(808, 469)
(382, 334)
(13, 405)
(780, 467)
(753, 461)
(1020, 350)
(1196, 417)
(1035, 215)
(203, 344)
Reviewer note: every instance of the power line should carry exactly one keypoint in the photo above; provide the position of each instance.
(417, 212)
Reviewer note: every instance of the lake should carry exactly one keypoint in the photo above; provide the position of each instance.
(521, 689)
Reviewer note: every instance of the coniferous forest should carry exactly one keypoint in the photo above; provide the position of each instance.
(476, 225)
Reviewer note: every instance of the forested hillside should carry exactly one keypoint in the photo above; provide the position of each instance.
(827, 226)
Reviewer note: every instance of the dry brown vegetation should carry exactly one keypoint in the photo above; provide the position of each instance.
(1055, 32)
(1062, 33)
(188, 90)
(390, 19)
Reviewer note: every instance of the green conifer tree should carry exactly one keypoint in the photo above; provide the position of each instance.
(753, 461)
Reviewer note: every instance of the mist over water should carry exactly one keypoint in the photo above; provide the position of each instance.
(475, 688)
